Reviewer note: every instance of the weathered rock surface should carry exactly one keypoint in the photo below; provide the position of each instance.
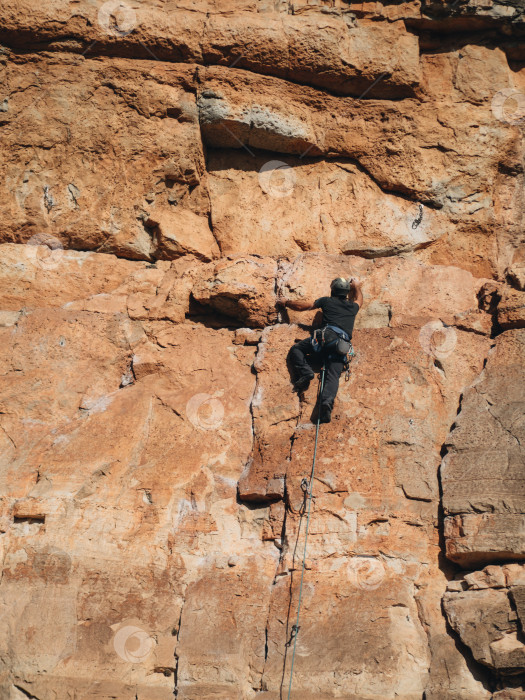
(242, 289)
(333, 50)
(292, 206)
(397, 147)
(159, 418)
(482, 474)
(98, 173)
(511, 309)
(170, 171)
(487, 613)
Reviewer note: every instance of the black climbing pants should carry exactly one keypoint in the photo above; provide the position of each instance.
(298, 358)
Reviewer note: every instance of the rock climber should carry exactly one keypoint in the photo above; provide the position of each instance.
(339, 312)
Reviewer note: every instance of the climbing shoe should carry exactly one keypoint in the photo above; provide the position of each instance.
(325, 413)
(303, 382)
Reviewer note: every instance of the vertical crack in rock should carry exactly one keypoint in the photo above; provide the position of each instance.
(208, 194)
(283, 266)
(254, 395)
(278, 572)
(212, 228)
(261, 682)
(176, 654)
(8, 436)
(261, 350)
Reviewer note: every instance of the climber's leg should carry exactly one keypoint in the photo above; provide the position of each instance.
(302, 371)
(333, 372)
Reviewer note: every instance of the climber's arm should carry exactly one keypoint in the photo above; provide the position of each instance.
(297, 305)
(355, 285)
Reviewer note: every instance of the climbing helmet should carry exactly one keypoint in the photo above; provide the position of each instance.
(340, 286)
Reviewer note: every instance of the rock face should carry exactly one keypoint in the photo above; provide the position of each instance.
(171, 170)
(486, 609)
(482, 474)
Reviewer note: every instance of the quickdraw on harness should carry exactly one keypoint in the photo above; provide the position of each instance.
(336, 344)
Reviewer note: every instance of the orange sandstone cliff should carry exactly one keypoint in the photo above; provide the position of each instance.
(168, 170)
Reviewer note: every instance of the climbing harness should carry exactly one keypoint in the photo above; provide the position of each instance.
(331, 338)
(336, 344)
(307, 488)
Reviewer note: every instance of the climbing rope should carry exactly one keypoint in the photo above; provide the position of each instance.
(309, 489)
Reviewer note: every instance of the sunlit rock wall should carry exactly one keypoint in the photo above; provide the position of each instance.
(169, 170)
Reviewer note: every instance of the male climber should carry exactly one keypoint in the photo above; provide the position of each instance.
(339, 312)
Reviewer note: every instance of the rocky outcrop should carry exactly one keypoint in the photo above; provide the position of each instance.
(170, 172)
(333, 50)
(486, 609)
(151, 201)
(482, 481)
(482, 473)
